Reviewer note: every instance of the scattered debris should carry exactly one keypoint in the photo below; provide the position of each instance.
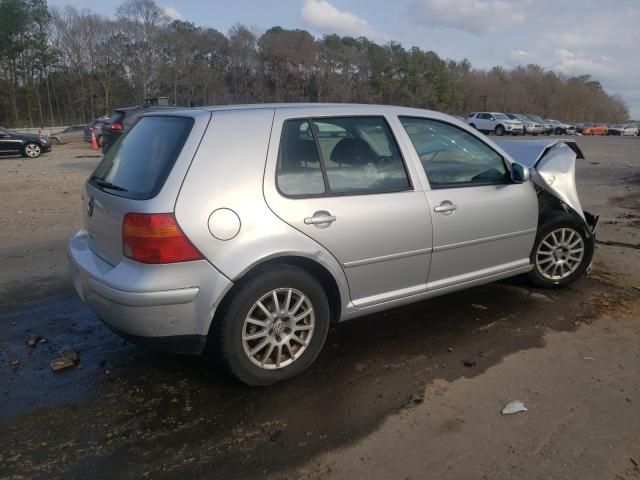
(587, 358)
(61, 363)
(69, 352)
(469, 362)
(68, 358)
(618, 244)
(450, 349)
(15, 363)
(479, 306)
(516, 406)
(486, 327)
(416, 399)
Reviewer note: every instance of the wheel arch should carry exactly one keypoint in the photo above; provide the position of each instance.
(324, 277)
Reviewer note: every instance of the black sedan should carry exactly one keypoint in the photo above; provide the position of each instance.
(25, 144)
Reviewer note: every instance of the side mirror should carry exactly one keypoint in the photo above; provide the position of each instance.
(520, 173)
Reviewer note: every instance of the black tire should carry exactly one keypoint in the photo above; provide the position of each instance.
(472, 125)
(558, 131)
(500, 130)
(226, 336)
(32, 150)
(561, 220)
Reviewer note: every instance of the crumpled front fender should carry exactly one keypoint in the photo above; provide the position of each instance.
(552, 164)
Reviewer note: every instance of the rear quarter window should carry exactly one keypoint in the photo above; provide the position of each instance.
(137, 166)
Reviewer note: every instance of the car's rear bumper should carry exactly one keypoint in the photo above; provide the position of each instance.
(167, 307)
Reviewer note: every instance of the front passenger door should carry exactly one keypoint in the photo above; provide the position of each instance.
(483, 223)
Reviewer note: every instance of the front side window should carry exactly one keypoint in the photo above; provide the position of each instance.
(356, 155)
(452, 157)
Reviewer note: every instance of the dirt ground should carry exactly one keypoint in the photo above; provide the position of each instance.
(412, 393)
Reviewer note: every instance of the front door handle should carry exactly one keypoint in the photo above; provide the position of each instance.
(446, 207)
(321, 219)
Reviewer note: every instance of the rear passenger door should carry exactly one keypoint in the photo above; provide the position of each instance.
(343, 182)
(483, 224)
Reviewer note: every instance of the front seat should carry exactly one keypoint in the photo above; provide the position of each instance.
(353, 151)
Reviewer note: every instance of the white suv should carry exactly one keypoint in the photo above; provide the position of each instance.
(493, 122)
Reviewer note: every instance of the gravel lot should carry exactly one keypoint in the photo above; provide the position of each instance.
(391, 396)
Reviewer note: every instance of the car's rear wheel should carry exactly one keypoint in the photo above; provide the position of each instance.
(32, 150)
(558, 131)
(562, 251)
(499, 130)
(472, 125)
(273, 327)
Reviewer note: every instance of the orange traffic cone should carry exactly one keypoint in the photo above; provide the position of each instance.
(94, 142)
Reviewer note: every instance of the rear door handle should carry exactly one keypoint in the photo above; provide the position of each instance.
(321, 219)
(445, 207)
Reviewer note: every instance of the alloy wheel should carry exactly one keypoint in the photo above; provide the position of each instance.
(278, 328)
(560, 254)
(32, 150)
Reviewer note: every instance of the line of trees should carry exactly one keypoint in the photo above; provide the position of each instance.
(68, 66)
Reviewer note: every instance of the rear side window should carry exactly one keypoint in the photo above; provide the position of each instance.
(137, 166)
(338, 156)
(299, 169)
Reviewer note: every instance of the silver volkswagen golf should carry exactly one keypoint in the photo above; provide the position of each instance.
(249, 230)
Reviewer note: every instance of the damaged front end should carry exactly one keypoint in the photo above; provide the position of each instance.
(552, 164)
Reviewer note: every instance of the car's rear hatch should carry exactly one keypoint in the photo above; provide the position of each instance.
(141, 174)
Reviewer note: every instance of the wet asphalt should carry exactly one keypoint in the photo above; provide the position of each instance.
(127, 412)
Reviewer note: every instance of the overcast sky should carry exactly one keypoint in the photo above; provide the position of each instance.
(571, 37)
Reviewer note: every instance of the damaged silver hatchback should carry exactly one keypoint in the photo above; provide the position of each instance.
(248, 230)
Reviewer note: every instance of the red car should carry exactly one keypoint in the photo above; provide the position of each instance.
(595, 129)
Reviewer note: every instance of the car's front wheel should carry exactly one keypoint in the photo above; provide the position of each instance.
(273, 327)
(499, 130)
(562, 251)
(32, 150)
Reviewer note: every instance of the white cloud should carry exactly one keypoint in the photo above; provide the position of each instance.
(173, 13)
(566, 61)
(322, 16)
(475, 16)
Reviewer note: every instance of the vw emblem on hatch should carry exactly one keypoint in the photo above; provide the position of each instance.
(90, 205)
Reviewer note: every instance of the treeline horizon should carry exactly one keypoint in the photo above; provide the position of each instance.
(65, 66)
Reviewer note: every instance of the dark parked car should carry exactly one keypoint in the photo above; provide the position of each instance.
(26, 144)
(123, 119)
(96, 126)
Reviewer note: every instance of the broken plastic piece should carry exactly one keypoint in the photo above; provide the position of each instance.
(515, 406)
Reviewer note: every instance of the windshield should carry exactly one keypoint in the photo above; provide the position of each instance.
(501, 116)
(535, 118)
(139, 162)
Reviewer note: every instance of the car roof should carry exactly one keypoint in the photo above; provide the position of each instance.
(325, 107)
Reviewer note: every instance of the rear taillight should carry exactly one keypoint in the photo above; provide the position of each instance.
(156, 238)
(116, 126)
